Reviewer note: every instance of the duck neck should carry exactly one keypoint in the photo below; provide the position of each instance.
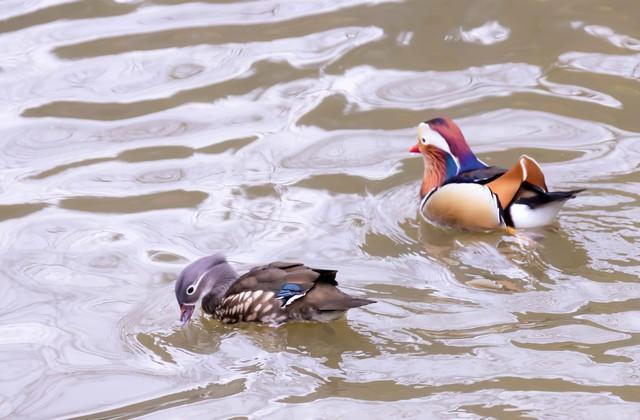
(225, 277)
(439, 166)
(469, 162)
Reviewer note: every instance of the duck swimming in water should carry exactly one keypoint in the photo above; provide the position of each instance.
(460, 190)
(274, 293)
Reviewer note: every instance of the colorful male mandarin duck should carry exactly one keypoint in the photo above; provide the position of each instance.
(272, 294)
(460, 190)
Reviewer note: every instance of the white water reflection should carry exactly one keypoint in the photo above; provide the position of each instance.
(488, 34)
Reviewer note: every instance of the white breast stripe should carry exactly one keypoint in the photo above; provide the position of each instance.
(500, 216)
(426, 198)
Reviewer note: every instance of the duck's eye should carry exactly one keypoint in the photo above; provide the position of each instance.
(191, 290)
(423, 140)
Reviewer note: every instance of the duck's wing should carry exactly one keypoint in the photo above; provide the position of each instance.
(262, 293)
(533, 209)
(540, 199)
(281, 276)
(507, 186)
(289, 291)
(524, 197)
(477, 176)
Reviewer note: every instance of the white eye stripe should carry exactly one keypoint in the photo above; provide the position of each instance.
(429, 136)
(197, 283)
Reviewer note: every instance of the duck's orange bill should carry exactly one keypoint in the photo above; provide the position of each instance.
(414, 149)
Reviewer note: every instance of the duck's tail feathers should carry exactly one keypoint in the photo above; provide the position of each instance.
(326, 297)
(347, 302)
(554, 196)
(355, 302)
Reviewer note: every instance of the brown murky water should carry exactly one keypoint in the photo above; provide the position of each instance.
(140, 135)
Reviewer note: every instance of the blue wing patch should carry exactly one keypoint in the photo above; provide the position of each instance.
(290, 292)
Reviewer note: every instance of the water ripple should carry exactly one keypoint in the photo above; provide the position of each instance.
(371, 88)
(143, 76)
(489, 33)
(627, 66)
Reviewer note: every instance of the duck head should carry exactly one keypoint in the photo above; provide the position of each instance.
(445, 151)
(210, 275)
(445, 134)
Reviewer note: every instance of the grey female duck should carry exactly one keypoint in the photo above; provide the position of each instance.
(274, 293)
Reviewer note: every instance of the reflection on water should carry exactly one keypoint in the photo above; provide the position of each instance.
(140, 135)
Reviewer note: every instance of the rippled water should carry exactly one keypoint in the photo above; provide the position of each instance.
(140, 135)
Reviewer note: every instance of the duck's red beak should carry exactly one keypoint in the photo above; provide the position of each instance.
(185, 313)
(414, 149)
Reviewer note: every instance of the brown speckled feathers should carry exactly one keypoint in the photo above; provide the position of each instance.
(280, 292)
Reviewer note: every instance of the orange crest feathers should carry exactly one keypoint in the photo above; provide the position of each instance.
(506, 187)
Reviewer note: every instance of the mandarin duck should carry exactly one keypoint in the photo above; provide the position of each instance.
(274, 293)
(460, 190)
